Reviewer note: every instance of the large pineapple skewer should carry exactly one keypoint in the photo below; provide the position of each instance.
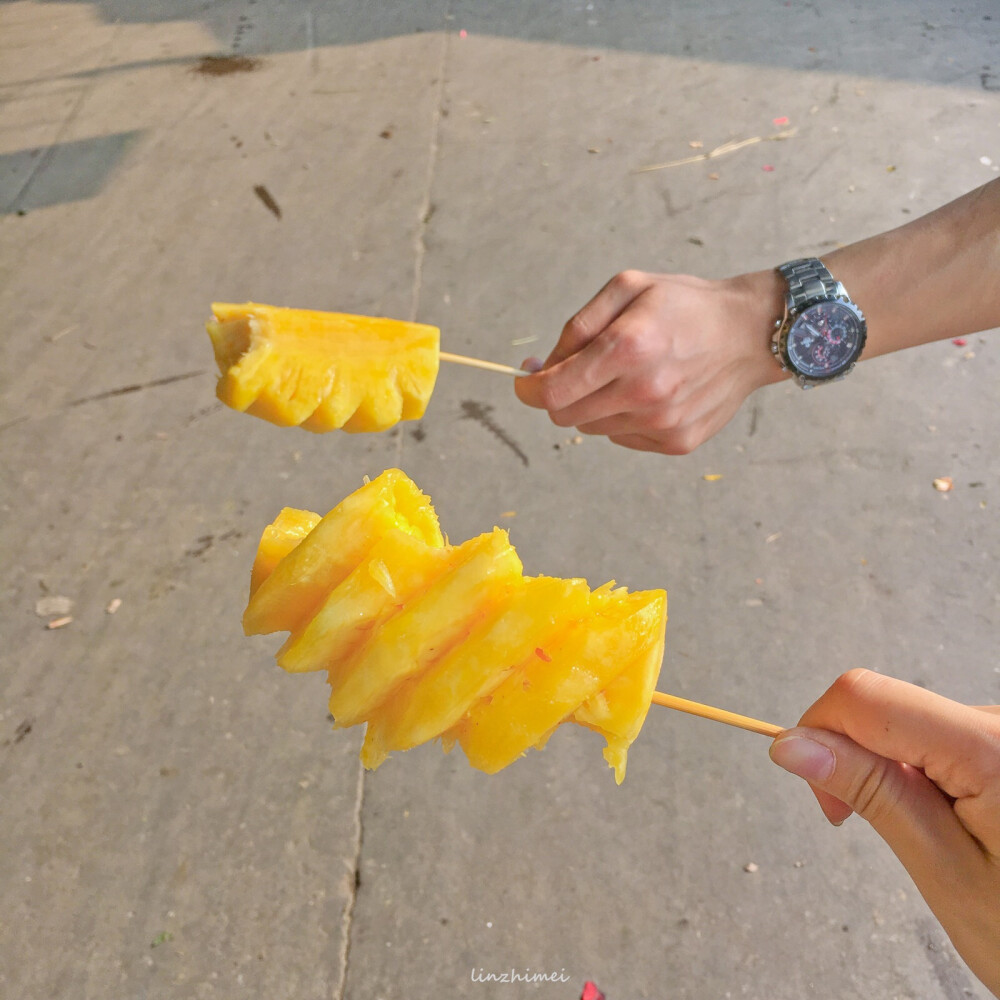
(325, 371)
(422, 639)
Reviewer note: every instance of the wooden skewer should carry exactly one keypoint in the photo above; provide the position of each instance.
(716, 714)
(490, 366)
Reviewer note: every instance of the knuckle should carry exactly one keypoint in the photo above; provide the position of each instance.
(872, 794)
(683, 442)
(855, 684)
(630, 344)
(577, 331)
(550, 397)
(666, 420)
(629, 280)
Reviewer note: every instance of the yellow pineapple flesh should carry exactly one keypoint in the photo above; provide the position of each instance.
(397, 567)
(477, 586)
(300, 582)
(428, 705)
(322, 370)
(530, 703)
(278, 539)
(422, 639)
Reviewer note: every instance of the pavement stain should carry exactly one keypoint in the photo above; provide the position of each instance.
(268, 199)
(481, 413)
(226, 65)
(19, 734)
(136, 387)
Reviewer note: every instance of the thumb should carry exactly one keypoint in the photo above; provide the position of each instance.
(904, 806)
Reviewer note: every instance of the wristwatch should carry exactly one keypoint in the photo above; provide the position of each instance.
(821, 335)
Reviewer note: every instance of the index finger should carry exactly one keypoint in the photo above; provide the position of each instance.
(956, 746)
(602, 310)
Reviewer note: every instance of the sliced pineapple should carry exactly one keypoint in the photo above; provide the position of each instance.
(398, 566)
(322, 370)
(619, 710)
(474, 591)
(422, 639)
(524, 710)
(300, 582)
(432, 702)
(278, 539)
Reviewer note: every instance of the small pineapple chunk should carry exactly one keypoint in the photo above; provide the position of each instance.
(322, 370)
(278, 539)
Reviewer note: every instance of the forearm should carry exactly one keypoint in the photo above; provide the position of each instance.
(936, 277)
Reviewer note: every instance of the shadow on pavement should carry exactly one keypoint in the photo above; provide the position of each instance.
(892, 39)
(63, 172)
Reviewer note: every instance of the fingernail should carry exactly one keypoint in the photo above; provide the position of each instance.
(804, 757)
(532, 364)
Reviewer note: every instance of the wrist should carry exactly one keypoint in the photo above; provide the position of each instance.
(758, 302)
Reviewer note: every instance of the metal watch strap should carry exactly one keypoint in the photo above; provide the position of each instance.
(809, 281)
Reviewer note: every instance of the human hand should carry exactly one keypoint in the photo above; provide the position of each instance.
(925, 772)
(660, 362)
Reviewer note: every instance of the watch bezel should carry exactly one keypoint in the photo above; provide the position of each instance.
(784, 326)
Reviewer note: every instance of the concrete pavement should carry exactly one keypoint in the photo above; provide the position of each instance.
(178, 820)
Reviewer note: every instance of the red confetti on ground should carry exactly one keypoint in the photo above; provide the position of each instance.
(591, 992)
(783, 120)
(463, 34)
(767, 168)
(542, 655)
(959, 341)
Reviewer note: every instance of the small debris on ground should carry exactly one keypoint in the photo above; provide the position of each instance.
(59, 622)
(113, 605)
(944, 484)
(591, 992)
(726, 147)
(751, 867)
(53, 604)
(268, 199)
(712, 477)
(224, 65)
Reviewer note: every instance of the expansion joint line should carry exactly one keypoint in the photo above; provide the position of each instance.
(347, 922)
(420, 247)
(420, 252)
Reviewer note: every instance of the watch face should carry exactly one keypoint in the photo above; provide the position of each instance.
(825, 340)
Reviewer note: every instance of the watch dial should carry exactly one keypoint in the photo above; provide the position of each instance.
(825, 340)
